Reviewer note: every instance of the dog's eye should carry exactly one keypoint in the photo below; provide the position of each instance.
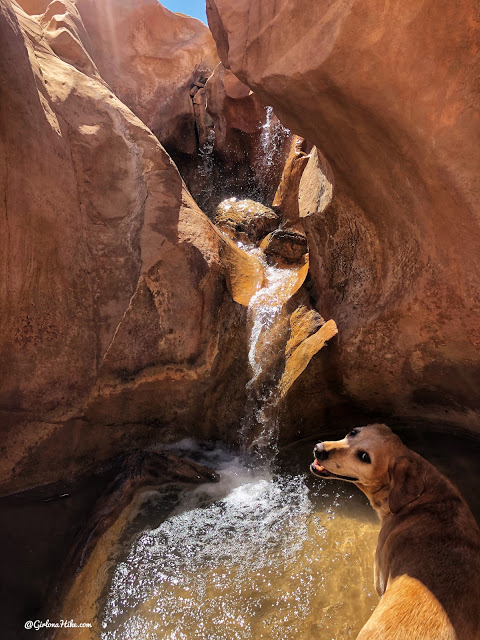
(364, 457)
(353, 432)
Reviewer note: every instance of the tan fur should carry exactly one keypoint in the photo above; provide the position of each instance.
(427, 562)
(405, 608)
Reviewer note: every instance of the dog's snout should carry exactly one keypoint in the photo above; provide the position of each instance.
(319, 452)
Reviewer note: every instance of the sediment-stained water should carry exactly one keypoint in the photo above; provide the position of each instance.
(256, 556)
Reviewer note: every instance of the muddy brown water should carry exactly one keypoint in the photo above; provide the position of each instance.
(263, 554)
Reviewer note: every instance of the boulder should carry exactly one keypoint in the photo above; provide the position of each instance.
(388, 95)
(245, 220)
(287, 246)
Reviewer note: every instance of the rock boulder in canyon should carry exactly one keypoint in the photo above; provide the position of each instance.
(114, 308)
(389, 95)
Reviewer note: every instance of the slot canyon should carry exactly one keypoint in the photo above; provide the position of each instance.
(220, 244)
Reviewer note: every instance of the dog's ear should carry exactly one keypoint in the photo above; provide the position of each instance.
(407, 482)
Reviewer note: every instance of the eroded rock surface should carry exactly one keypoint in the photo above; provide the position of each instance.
(286, 196)
(151, 58)
(245, 220)
(113, 301)
(236, 111)
(389, 95)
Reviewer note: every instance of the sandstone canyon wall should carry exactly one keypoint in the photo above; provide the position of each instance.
(388, 92)
(114, 310)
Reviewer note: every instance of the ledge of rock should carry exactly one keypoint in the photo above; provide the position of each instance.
(300, 356)
(286, 196)
(243, 272)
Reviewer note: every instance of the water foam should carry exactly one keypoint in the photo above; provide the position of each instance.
(254, 556)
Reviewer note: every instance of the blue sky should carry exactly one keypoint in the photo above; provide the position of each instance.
(195, 8)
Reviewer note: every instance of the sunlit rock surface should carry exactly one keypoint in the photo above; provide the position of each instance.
(236, 111)
(113, 301)
(151, 58)
(388, 94)
(245, 220)
(286, 196)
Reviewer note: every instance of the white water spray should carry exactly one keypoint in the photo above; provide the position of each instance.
(269, 325)
(272, 137)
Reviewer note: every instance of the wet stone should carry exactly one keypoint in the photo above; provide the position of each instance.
(245, 220)
(290, 246)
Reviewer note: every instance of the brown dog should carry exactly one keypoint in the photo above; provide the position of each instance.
(427, 563)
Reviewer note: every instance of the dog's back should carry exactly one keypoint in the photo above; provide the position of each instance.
(427, 564)
(428, 561)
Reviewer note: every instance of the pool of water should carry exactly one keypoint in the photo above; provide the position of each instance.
(258, 555)
(263, 554)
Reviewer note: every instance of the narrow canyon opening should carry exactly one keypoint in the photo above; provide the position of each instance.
(221, 245)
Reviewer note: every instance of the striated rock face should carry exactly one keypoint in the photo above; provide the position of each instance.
(149, 56)
(113, 300)
(389, 95)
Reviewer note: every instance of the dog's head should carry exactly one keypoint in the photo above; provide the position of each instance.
(377, 461)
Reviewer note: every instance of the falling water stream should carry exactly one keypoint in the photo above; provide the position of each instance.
(268, 552)
(268, 326)
(272, 137)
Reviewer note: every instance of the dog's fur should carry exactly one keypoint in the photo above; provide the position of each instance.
(427, 562)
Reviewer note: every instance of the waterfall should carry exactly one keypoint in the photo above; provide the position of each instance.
(205, 171)
(268, 324)
(272, 138)
(206, 155)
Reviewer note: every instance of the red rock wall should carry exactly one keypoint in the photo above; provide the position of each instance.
(113, 302)
(389, 93)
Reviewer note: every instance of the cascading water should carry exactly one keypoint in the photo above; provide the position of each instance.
(256, 556)
(272, 138)
(205, 170)
(268, 325)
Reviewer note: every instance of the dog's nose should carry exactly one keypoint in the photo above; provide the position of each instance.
(319, 452)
